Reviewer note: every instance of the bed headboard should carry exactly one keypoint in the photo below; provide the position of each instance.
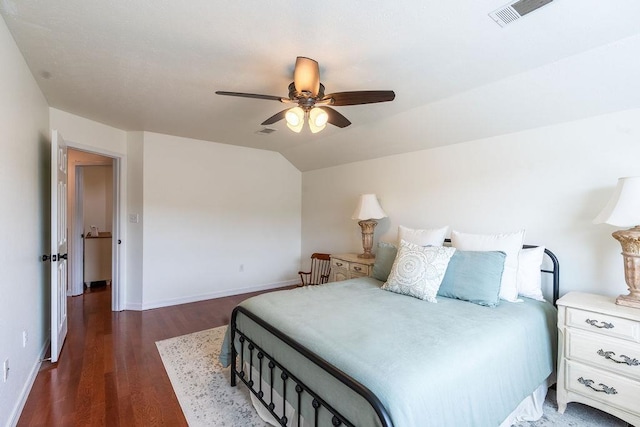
(554, 270)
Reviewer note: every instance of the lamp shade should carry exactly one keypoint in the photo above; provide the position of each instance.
(368, 208)
(623, 209)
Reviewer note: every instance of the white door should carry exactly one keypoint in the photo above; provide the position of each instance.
(58, 244)
(76, 242)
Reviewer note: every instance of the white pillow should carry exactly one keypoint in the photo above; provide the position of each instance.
(529, 277)
(418, 271)
(429, 237)
(509, 243)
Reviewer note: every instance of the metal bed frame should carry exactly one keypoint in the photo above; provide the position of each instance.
(265, 364)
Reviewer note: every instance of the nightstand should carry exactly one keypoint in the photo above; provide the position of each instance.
(599, 355)
(348, 266)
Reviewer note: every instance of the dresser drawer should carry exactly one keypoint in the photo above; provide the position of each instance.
(622, 357)
(613, 390)
(603, 324)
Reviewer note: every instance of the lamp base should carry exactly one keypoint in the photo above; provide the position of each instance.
(630, 241)
(628, 300)
(367, 227)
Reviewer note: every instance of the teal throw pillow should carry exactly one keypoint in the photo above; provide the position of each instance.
(474, 276)
(385, 255)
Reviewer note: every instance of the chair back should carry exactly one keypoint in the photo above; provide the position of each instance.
(320, 269)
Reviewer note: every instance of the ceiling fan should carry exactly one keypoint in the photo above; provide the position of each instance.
(307, 93)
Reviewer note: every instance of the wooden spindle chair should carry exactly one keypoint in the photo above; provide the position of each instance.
(320, 269)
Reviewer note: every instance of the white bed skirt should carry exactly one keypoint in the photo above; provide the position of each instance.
(530, 409)
(277, 400)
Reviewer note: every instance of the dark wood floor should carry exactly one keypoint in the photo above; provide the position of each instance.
(110, 372)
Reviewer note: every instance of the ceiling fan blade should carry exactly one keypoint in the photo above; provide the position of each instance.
(250, 95)
(306, 75)
(360, 97)
(336, 118)
(275, 118)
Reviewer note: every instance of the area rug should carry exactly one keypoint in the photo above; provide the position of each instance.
(202, 387)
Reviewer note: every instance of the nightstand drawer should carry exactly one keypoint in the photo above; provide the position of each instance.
(604, 387)
(603, 324)
(622, 357)
(359, 268)
(339, 263)
(349, 266)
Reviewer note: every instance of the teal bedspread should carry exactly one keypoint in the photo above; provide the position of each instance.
(453, 363)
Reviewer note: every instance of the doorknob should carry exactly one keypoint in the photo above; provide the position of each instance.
(45, 258)
(52, 258)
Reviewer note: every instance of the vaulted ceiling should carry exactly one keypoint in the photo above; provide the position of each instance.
(154, 65)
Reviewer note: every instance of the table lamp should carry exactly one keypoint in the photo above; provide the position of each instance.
(367, 211)
(623, 210)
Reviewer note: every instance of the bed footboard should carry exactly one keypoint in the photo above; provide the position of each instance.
(265, 364)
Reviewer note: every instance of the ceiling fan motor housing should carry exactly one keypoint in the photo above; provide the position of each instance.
(305, 99)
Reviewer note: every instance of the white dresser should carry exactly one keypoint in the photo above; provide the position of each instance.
(348, 266)
(599, 355)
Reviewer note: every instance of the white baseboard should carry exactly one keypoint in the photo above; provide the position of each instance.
(133, 307)
(211, 295)
(24, 395)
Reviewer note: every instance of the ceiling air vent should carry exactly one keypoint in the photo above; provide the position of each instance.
(265, 131)
(513, 11)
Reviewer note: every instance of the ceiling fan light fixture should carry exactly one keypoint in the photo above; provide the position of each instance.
(295, 119)
(317, 119)
(315, 129)
(306, 76)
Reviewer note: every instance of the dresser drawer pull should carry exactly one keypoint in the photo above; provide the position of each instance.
(604, 325)
(605, 388)
(625, 359)
(357, 268)
(339, 264)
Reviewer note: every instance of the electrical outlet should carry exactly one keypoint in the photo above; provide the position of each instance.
(5, 370)
(25, 339)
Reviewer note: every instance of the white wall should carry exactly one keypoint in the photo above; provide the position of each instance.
(552, 181)
(212, 210)
(86, 133)
(98, 197)
(24, 226)
(245, 202)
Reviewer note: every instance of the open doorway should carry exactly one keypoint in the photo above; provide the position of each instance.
(91, 221)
